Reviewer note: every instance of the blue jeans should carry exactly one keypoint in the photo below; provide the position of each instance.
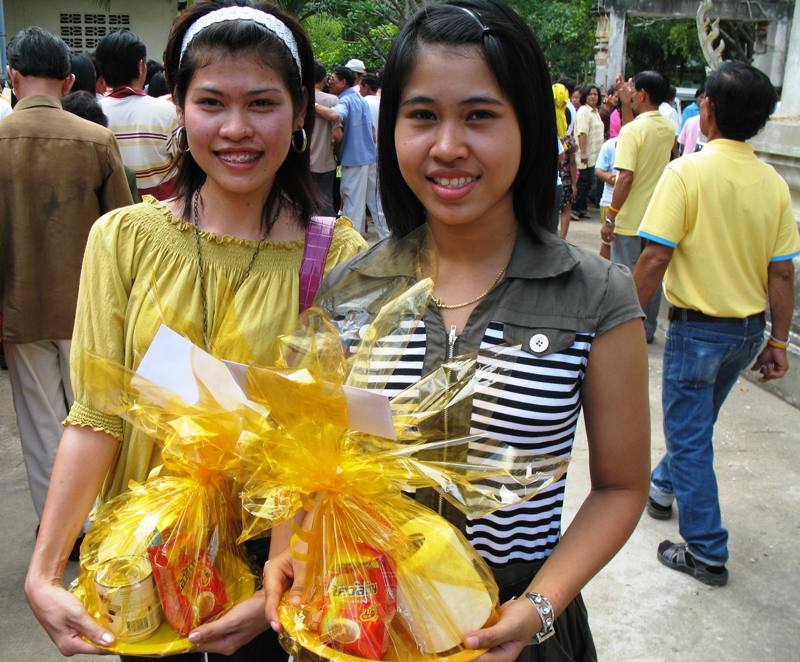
(702, 361)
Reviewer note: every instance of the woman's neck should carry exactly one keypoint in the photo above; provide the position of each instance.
(225, 213)
(477, 243)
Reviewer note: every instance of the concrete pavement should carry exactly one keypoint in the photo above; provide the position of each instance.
(639, 610)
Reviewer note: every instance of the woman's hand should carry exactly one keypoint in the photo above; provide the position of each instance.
(282, 573)
(232, 630)
(519, 621)
(65, 620)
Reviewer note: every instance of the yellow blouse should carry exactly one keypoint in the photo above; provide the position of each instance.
(140, 270)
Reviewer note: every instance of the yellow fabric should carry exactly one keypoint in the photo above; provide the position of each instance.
(728, 215)
(644, 147)
(560, 98)
(140, 268)
(588, 122)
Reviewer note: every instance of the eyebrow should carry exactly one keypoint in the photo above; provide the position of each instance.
(250, 93)
(485, 100)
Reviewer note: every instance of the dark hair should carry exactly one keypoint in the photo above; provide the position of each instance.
(345, 74)
(671, 92)
(84, 104)
(371, 81)
(158, 85)
(743, 99)
(293, 180)
(153, 68)
(39, 53)
(512, 54)
(119, 54)
(98, 68)
(699, 92)
(652, 82)
(319, 72)
(85, 76)
(569, 84)
(587, 90)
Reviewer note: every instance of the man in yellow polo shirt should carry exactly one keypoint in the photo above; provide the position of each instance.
(644, 147)
(721, 226)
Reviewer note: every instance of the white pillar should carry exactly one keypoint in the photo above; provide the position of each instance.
(790, 101)
(773, 61)
(617, 40)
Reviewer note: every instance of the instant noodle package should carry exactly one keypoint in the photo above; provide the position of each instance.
(311, 440)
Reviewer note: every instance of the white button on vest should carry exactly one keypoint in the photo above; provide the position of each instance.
(539, 343)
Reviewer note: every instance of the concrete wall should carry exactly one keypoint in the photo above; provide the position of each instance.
(150, 19)
(779, 145)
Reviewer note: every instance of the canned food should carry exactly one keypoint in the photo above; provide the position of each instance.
(127, 597)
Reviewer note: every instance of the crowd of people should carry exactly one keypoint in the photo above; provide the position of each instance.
(211, 187)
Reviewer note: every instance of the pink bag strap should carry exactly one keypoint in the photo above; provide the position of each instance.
(319, 235)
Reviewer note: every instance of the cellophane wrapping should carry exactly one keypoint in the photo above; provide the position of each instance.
(163, 557)
(383, 577)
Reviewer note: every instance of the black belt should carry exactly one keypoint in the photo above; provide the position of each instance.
(689, 315)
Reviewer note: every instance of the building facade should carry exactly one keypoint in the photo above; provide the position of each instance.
(82, 23)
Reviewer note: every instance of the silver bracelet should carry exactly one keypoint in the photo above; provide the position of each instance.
(545, 610)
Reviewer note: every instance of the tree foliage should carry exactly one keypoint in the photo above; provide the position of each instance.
(565, 30)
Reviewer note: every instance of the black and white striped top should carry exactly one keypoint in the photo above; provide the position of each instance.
(529, 402)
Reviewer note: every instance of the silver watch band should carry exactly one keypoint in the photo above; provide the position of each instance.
(545, 610)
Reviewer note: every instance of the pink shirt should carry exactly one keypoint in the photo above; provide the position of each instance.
(614, 123)
(689, 134)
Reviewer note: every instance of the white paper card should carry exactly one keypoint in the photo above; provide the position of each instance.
(169, 360)
(169, 363)
(369, 412)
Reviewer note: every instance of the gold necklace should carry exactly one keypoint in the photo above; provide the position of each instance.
(452, 306)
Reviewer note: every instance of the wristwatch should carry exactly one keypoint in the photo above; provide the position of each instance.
(610, 221)
(545, 610)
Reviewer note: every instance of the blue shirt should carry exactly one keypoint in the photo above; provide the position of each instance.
(690, 111)
(605, 162)
(358, 147)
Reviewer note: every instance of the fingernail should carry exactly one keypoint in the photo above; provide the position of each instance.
(107, 638)
(471, 642)
(274, 625)
(194, 637)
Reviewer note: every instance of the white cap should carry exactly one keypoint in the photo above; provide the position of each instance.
(357, 66)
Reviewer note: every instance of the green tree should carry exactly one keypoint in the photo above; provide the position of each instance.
(565, 29)
(669, 46)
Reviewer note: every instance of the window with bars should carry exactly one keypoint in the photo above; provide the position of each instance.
(82, 32)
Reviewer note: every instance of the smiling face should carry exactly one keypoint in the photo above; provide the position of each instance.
(239, 119)
(457, 138)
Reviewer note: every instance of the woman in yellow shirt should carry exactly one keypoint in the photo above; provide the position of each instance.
(219, 263)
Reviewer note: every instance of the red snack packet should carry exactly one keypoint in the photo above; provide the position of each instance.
(359, 603)
(189, 588)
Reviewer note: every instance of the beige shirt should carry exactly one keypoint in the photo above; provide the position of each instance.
(590, 124)
(321, 146)
(58, 174)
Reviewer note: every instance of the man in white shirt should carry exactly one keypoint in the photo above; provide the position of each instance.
(667, 109)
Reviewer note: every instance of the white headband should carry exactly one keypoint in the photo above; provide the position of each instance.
(270, 22)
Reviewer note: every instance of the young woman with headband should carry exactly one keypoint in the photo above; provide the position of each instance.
(466, 161)
(221, 263)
